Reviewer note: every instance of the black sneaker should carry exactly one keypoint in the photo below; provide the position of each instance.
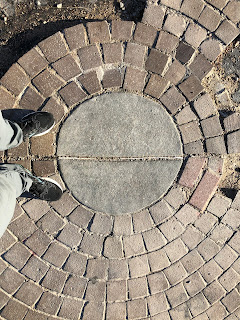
(45, 189)
(36, 124)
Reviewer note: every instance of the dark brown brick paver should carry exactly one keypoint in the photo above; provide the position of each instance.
(53, 47)
(90, 82)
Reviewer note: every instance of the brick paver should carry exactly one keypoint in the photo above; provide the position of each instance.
(178, 257)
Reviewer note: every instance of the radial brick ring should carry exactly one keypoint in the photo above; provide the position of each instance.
(174, 257)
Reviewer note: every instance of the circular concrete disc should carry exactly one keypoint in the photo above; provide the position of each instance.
(139, 147)
(119, 125)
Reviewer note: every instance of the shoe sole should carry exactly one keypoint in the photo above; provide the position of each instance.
(39, 134)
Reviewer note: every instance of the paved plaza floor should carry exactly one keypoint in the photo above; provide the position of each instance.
(139, 147)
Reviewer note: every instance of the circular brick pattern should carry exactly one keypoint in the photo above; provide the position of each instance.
(177, 259)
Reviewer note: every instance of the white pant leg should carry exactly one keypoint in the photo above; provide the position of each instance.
(11, 134)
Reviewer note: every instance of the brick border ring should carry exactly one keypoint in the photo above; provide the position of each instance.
(61, 259)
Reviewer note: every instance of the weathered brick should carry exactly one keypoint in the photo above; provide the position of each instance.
(46, 82)
(56, 254)
(186, 115)
(11, 280)
(101, 224)
(175, 24)
(98, 31)
(50, 223)
(35, 269)
(220, 4)
(134, 79)
(122, 225)
(15, 80)
(192, 261)
(70, 236)
(214, 292)
(75, 286)
(227, 32)
(3, 299)
(122, 30)
(158, 260)
(194, 284)
(116, 310)
(187, 214)
(232, 122)
(211, 48)
(233, 142)
(197, 304)
(92, 244)
(160, 212)
(54, 280)
(43, 168)
(142, 221)
(232, 218)
(195, 35)
(93, 310)
(192, 8)
(154, 239)
(67, 67)
(7, 101)
(176, 197)
(31, 99)
(14, 310)
(175, 273)
(229, 279)
(156, 86)
(145, 34)
(232, 11)
(75, 36)
(44, 145)
(171, 229)
(211, 127)
(167, 42)
(184, 52)
(133, 245)
(205, 190)
(90, 57)
(194, 148)
(32, 62)
(81, 217)
(221, 234)
(175, 4)
(208, 248)
(95, 291)
(157, 303)
(49, 303)
(97, 268)
(22, 227)
(112, 78)
(65, 205)
(90, 82)
(38, 242)
(156, 61)
(204, 106)
(217, 311)
(70, 308)
(175, 72)
(138, 287)
(53, 47)
(232, 300)
(135, 54)
(36, 208)
(192, 236)
(76, 263)
(116, 290)
(209, 18)
(173, 99)
(206, 222)
(201, 66)
(191, 87)
(177, 295)
(138, 266)
(175, 250)
(112, 52)
(190, 132)
(113, 248)
(154, 15)
(235, 242)
(137, 308)
(118, 269)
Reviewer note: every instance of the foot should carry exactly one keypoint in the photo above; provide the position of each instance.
(44, 188)
(36, 124)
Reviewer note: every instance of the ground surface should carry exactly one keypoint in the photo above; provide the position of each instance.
(175, 257)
